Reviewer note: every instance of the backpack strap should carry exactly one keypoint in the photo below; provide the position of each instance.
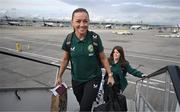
(95, 38)
(68, 41)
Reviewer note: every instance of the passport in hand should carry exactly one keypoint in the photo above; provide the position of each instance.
(59, 89)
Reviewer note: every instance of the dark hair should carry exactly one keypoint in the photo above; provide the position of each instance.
(79, 10)
(122, 60)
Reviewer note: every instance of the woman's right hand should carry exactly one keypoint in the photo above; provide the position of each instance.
(58, 81)
(110, 80)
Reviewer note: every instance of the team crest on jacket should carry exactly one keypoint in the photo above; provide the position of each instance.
(90, 48)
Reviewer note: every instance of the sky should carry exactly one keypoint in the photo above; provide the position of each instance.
(123, 11)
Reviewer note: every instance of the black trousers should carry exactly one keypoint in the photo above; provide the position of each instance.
(86, 92)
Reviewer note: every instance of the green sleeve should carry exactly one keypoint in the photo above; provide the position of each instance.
(133, 71)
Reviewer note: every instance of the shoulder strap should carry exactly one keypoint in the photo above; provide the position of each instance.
(68, 41)
(95, 41)
(95, 38)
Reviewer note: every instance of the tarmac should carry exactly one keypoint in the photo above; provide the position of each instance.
(143, 50)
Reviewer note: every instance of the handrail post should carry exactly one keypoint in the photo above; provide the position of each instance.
(167, 91)
(147, 93)
(137, 96)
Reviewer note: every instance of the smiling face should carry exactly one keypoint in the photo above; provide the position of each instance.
(80, 23)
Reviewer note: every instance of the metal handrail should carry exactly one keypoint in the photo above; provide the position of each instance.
(29, 57)
(173, 71)
(23, 55)
(26, 57)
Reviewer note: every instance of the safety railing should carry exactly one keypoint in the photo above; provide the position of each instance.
(62, 103)
(159, 91)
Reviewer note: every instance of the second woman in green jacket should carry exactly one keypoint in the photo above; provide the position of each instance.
(120, 66)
